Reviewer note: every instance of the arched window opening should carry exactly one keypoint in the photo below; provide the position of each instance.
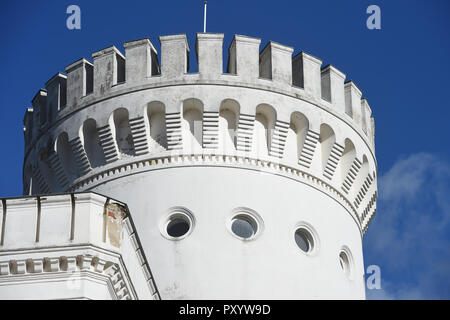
(65, 154)
(262, 132)
(46, 149)
(124, 138)
(348, 156)
(361, 176)
(296, 136)
(327, 140)
(228, 122)
(91, 143)
(156, 117)
(192, 125)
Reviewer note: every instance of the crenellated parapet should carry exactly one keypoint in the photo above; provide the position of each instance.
(273, 68)
(278, 112)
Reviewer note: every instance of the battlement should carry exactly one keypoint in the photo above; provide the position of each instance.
(272, 68)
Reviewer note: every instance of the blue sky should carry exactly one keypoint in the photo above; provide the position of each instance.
(402, 69)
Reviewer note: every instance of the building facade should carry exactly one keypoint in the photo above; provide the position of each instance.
(254, 183)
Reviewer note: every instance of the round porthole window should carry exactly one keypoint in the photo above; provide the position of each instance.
(177, 224)
(345, 261)
(306, 238)
(245, 224)
(178, 227)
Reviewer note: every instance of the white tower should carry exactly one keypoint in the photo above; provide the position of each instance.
(258, 182)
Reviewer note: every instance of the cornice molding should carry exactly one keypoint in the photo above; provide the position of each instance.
(48, 268)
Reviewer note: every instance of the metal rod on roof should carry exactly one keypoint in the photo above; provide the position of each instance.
(204, 17)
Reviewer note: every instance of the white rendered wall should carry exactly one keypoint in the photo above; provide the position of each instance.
(211, 263)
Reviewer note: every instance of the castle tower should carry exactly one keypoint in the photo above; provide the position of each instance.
(255, 182)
